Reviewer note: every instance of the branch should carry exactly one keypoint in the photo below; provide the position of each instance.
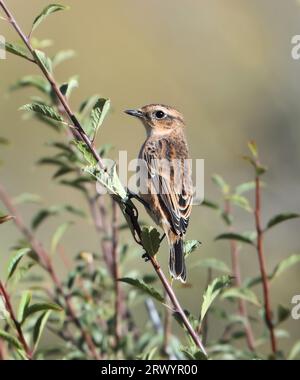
(130, 209)
(242, 308)
(17, 325)
(262, 265)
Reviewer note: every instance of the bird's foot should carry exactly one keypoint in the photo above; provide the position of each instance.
(146, 257)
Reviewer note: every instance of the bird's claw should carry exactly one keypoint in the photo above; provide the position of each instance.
(146, 257)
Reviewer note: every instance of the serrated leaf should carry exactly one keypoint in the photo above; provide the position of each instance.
(190, 246)
(43, 60)
(242, 293)
(219, 181)
(13, 264)
(141, 285)
(35, 81)
(38, 307)
(18, 50)
(10, 339)
(67, 88)
(110, 180)
(150, 239)
(87, 155)
(280, 218)
(5, 218)
(39, 328)
(24, 304)
(212, 291)
(234, 236)
(60, 231)
(62, 56)
(44, 110)
(98, 114)
(215, 264)
(47, 12)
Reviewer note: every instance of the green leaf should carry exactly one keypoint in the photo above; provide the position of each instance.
(215, 264)
(39, 327)
(87, 155)
(13, 264)
(43, 214)
(27, 198)
(23, 305)
(234, 236)
(35, 81)
(240, 201)
(18, 50)
(58, 235)
(242, 293)
(219, 181)
(10, 339)
(295, 351)
(45, 61)
(245, 187)
(46, 12)
(253, 148)
(141, 285)
(67, 88)
(150, 239)
(210, 204)
(212, 291)
(281, 218)
(190, 246)
(38, 307)
(62, 56)
(4, 314)
(44, 110)
(5, 218)
(285, 264)
(283, 313)
(98, 114)
(110, 180)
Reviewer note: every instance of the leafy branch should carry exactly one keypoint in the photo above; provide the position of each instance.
(107, 177)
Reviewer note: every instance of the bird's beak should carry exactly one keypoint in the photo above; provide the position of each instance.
(135, 113)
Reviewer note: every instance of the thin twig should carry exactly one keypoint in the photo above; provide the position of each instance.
(46, 263)
(82, 135)
(116, 270)
(262, 265)
(17, 325)
(236, 272)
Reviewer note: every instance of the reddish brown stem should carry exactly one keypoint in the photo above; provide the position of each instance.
(242, 308)
(116, 272)
(262, 265)
(17, 325)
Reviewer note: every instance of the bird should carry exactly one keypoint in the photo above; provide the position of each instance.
(166, 186)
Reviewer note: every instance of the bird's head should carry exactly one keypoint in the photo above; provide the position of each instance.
(158, 118)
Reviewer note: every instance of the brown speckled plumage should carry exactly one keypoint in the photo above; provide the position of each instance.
(168, 183)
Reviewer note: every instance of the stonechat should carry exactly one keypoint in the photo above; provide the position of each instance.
(167, 185)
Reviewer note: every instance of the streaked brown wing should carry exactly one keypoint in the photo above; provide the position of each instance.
(171, 181)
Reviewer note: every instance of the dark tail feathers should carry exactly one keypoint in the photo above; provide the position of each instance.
(176, 263)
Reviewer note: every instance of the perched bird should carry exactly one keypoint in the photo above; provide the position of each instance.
(167, 186)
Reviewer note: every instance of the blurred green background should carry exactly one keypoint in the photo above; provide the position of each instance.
(225, 64)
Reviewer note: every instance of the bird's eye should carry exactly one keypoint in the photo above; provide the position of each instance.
(159, 114)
